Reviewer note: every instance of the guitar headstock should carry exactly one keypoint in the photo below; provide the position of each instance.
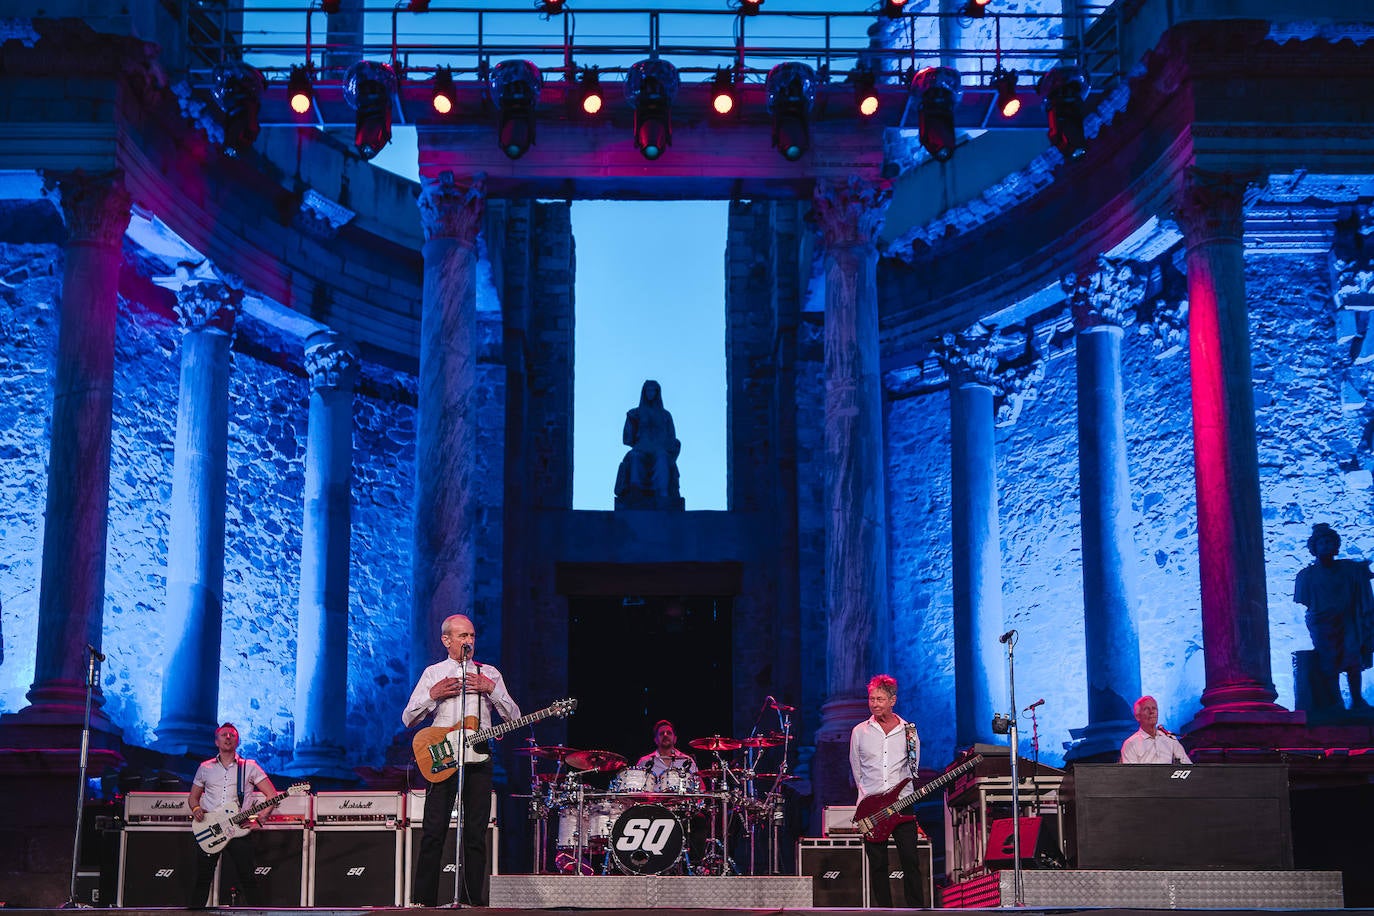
(300, 788)
(563, 707)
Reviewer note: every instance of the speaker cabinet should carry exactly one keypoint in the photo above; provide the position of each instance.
(924, 856)
(157, 868)
(448, 867)
(356, 866)
(836, 867)
(280, 858)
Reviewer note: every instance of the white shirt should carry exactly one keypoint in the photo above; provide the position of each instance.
(657, 766)
(446, 711)
(220, 784)
(1162, 748)
(879, 760)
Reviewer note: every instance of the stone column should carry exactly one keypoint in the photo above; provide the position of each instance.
(445, 559)
(1102, 303)
(71, 591)
(207, 308)
(980, 681)
(1235, 610)
(322, 618)
(857, 642)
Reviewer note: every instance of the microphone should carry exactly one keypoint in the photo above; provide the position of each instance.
(1039, 702)
(99, 656)
(467, 652)
(780, 707)
(1006, 637)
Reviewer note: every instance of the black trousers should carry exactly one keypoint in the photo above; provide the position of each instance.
(879, 888)
(240, 852)
(476, 814)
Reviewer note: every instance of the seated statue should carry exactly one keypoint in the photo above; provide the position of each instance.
(647, 478)
(1340, 613)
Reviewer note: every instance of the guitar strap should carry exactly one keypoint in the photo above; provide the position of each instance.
(912, 758)
(238, 761)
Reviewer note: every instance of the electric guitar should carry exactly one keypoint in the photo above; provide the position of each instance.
(436, 748)
(878, 815)
(224, 824)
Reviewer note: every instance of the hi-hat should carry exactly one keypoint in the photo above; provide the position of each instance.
(715, 743)
(761, 741)
(548, 752)
(601, 761)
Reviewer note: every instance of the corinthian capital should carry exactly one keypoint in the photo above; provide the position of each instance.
(850, 212)
(331, 361)
(450, 209)
(206, 298)
(1212, 206)
(1107, 296)
(969, 357)
(95, 206)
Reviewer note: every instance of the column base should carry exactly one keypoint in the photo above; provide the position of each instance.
(1098, 741)
(318, 760)
(176, 738)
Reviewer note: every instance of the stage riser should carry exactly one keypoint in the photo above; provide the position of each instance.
(1154, 889)
(648, 891)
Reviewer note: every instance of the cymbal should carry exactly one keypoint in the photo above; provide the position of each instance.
(789, 777)
(762, 741)
(601, 761)
(549, 752)
(715, 743)
(710, 773)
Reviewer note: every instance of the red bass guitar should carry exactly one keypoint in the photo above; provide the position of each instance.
(878, 815)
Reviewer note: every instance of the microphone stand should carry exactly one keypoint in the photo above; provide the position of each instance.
(459, 859)
(775, 795)
(92, 656)
(1018, 895)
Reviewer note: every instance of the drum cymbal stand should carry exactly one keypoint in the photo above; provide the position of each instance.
(774, 808)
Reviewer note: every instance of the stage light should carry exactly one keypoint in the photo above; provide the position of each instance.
(515, 86)
(791, 91)
(299, 90)
(445, 95)
(1004, 82)
(938, 88)
(651, 86)
(238, 91)
(976, 9)
(749, 7)
(331, 7)
(368, 88)
(1001, 724)
(1064, 90)
(418, 6)
(865, 92)
(893, 8)
(589, 94)
(723, 91)
(551, 7)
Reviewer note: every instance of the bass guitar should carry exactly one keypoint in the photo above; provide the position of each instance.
(437, 748)
(224, 824)
(878, 815)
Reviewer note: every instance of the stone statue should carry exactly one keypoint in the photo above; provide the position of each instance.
(1340, 612)
(647, 478)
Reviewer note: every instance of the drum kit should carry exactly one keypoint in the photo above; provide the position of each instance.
(645, 823)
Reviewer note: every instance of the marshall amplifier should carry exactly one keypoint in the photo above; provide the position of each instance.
(157, 855)
(836, 867)
(415, 817)
(356, 850)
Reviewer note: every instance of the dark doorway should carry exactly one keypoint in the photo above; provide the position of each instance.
(635, 660)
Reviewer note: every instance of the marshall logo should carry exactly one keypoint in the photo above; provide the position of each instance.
(349, 803)
(167, 804)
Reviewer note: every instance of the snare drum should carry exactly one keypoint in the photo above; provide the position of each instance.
(594, 827)
(679, 782)
(634, 780)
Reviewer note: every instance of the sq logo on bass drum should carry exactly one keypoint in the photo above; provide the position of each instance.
(647, 840)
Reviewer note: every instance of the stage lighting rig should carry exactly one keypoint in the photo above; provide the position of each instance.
(791, 89)
(723, 95)
(651, 85)
(938, 88)
(238, 91)
(368, 89)
(515, 86)
(1064, 90)
(445, 95)
(300, 92)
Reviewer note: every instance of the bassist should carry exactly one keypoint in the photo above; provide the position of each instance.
(439, 691)
(226, 779)
(884, 749)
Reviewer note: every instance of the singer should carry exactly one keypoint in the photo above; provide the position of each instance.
(438, 692)
(1152, 743)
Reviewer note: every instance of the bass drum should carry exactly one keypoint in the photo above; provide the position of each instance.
(647, 840)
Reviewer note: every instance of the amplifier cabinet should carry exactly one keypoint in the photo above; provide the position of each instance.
(925, 857)
(281, 856)
(157, 868)
(415, 816)
(836, 867)
(356, 850)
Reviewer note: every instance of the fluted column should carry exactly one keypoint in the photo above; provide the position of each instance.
(445, 555)
(1102, 303)
(322, 619)
(71, 591)
(207, 308)
(857, 641)
(980, 682)
(1235, 610)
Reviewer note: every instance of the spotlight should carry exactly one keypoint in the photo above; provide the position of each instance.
(976, 9)
(417, 6)
(938, 88)
(1064, 90)
(791, 91)
(551, 7)
(368, 87)
(651, 86)
(331, 7)
(865, 92)
(1001, 724)
(723, 91)
(238, 91)
(893, 8)
(749, 7)
(445, 96)
(515, 85)
(589, 91)
(1004, 82)
(299, 90)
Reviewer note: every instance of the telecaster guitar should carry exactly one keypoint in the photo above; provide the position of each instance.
(878, 815)
(224, 824)
(436, 748)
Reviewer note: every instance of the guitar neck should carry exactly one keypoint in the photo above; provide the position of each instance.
(938, 782)
(496, 731)
(258, 808)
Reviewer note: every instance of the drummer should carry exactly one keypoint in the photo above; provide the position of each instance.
(666, 756)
